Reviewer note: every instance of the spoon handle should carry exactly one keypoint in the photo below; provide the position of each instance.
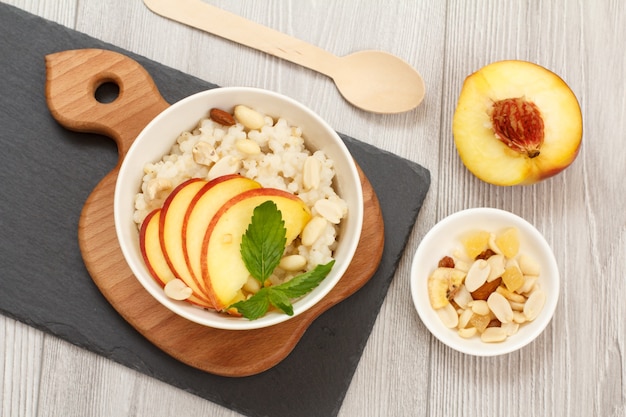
(235, 28)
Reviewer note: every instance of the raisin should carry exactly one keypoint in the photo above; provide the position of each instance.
(446, 262)
(486, 254)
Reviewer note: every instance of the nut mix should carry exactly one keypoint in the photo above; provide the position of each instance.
(488, 288)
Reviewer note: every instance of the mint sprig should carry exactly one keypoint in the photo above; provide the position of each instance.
(262, 247)
(280, 296)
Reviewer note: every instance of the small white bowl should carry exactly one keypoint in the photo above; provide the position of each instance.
(160, 134)
(444, 238)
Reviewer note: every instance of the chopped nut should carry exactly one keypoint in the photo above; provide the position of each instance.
(479, 307)
(497, 263)
(500, 307)
(462, 297)
(249, 118)
(222, 117)
(468, 332)
(313, 230)
(292, 263)
(248, 147)
(156, 186)
(311, 173)
(529, 284)
(464, 318)
(177, 290)
(204, 153)
(448, 316)
(528, 265)
(477, 275)
(510, 295)
(493, 335)
(484, 291)
(225, 166)
(330, 210)
(252, 286)
(510, 328)
(534, 304)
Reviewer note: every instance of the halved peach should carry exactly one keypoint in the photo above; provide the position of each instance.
(516, 123)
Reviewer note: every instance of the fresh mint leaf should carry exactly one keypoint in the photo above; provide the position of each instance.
(255, 306)
(305, 283)
(264, 242)
(279, 300)
(280, 296)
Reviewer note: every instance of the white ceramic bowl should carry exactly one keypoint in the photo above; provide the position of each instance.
(444, 238)
(160, 134)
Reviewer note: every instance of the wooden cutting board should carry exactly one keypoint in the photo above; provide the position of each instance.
(71, 83)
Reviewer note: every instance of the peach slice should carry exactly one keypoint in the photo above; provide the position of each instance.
(199, 214)
(516, 123)
(171, 226)
(223, 268)
(153, 257)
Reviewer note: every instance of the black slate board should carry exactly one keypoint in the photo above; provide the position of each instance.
(47, 173)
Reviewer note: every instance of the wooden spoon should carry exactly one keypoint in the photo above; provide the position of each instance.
(374, 81)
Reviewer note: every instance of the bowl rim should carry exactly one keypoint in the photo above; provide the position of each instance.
(447, 336)
(217, 320)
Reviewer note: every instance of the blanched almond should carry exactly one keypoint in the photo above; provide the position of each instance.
(510, 295)
(493, 335)
(461, 264)
(534, 304)
(311, 173)
(462, 297)
(464, 318)
(477, 275)
(247, 146)
(177, 290)
(249, 118)
(468, 332)
(510, 328)
(519, 317)
(292, 262)
(500, 307)
(496, 263)
(252, 286)
(313, 230)
(448, 316)
(528, 265)
(492, 244)
(225, 166)
(529, 284)
(479, 307)
(330, 210)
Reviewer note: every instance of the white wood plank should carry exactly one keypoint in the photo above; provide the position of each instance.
(20, 368)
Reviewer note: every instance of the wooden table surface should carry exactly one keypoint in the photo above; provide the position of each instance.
(575, 368)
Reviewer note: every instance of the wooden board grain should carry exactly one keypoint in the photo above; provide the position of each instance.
(72, 79)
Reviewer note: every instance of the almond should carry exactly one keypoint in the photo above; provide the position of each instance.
(222, 117)
(484, 291)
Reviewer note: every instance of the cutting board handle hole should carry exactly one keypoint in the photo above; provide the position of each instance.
(107, 92)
